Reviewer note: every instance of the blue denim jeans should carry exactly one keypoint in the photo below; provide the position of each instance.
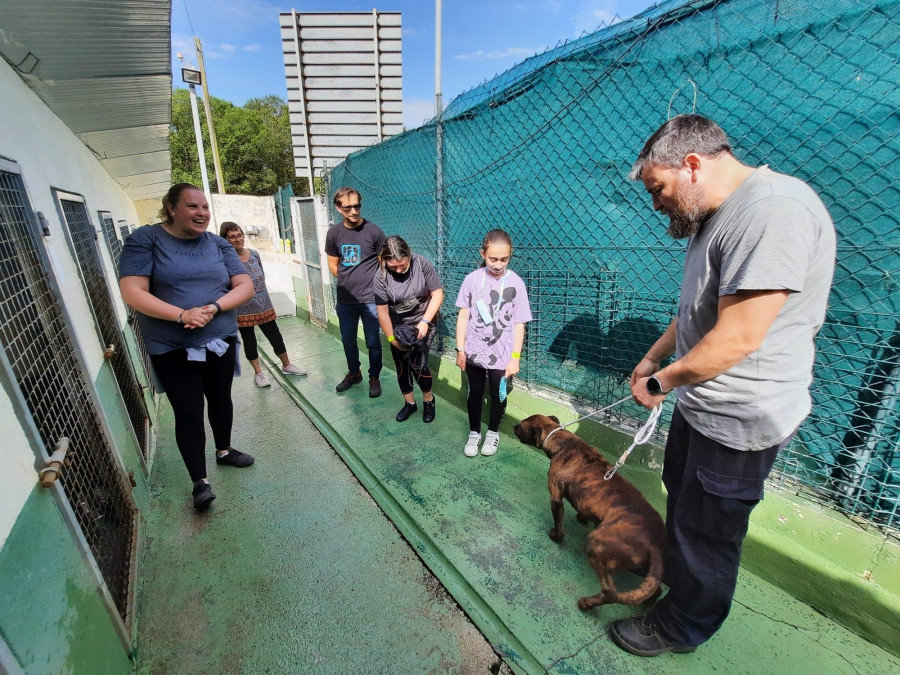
(348, 319)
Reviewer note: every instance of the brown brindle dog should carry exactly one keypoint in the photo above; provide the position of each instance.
(630, 535)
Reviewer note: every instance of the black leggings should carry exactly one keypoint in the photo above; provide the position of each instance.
(477, 377)
(409, 374)
(273, 335)
(186, 383)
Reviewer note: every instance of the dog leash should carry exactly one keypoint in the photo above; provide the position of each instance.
(641, 437)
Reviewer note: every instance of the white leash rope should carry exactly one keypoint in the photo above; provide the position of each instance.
(642, 436)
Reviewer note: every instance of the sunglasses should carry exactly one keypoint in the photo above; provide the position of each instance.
(350, 207)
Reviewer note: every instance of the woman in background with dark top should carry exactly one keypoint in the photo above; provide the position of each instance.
(258, 310)
(407, 291)
(185, 284)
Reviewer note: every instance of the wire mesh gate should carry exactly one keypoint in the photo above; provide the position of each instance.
(309, 251)
(544, 150)
(82, 237)
(44, 364)
(115, 251)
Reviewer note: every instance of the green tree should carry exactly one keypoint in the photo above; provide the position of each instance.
(254, 145)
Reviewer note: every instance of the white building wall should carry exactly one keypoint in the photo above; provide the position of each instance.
(51, 156)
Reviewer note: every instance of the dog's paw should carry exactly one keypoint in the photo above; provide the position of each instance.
(591, 601)
(556, 536)
(584, 520)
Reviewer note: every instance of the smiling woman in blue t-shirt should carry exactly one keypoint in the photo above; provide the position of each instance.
(185, 283)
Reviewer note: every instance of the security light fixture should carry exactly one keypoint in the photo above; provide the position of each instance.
(190, 75)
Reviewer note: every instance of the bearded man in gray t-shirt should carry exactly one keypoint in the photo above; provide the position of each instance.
(757, 273)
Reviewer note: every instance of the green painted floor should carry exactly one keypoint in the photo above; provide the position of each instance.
(295, 569)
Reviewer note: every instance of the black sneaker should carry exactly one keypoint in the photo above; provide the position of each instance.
(643, 639)
(374, 387)
(203, 496)
(235, 458)
(349, 380)
(407, 410)
(428, 411)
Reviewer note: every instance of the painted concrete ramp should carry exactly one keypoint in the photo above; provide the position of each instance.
(480, 524)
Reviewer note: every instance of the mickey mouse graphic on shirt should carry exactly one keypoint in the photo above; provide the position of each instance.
(494, 316)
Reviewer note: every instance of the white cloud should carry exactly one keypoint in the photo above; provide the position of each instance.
(592, 14)
(510, 53)
(252, 48)
(227, 48)
(553, 6)
(410, 31)
(416, 111)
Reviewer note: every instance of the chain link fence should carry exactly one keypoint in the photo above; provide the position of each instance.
(543, 150)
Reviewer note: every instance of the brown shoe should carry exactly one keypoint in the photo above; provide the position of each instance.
(349, 380)
(374, 387)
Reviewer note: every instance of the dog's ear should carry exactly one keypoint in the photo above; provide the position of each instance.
(554, 418)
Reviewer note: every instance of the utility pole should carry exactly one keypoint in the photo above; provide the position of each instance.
(220, 182)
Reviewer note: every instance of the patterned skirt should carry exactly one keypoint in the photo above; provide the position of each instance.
(249, 320)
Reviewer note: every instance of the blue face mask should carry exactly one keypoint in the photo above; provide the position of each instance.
(484, 310)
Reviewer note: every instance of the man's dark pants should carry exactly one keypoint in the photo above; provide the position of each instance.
(711, 491)
(349, 316)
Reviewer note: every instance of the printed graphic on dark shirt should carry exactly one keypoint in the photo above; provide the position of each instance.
(350, 255)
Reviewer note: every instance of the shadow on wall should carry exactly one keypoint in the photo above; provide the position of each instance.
(614, 352)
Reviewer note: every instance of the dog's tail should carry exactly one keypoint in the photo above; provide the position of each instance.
(649, 588)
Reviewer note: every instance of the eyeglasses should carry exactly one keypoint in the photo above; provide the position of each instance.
(350, 207)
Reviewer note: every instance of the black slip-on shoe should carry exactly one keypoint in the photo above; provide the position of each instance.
(428, 411)
(235, 458)
(349, 380)
(374, 387)
(203, 496)
(407, 410)
(642, 639)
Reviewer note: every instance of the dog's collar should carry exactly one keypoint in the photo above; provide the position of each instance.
(547, 437)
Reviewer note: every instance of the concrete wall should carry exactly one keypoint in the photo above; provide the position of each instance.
(249, 212)
(51, 615)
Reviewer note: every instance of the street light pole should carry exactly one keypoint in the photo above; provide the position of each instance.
(439, 124)
(199, 134)
(192, 77)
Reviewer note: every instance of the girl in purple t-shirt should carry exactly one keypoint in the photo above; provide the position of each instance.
(493, 310)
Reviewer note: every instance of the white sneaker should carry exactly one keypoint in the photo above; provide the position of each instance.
(471, 449)
(260, 380)
(491, 441)
(291, 369)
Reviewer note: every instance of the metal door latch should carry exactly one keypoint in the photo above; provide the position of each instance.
(53, 470)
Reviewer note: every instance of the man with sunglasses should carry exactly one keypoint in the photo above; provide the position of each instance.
(352, 248)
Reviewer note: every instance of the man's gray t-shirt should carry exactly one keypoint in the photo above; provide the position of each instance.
(772, 233)
(358, 249)
(406, 295)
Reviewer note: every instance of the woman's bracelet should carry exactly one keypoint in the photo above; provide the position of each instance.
(178, 320)
(218, 307)
(391, 338)
(517, 355)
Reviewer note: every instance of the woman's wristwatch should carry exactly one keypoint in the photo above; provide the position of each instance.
(218, 307)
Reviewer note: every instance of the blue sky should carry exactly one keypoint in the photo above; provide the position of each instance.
(481, 38)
